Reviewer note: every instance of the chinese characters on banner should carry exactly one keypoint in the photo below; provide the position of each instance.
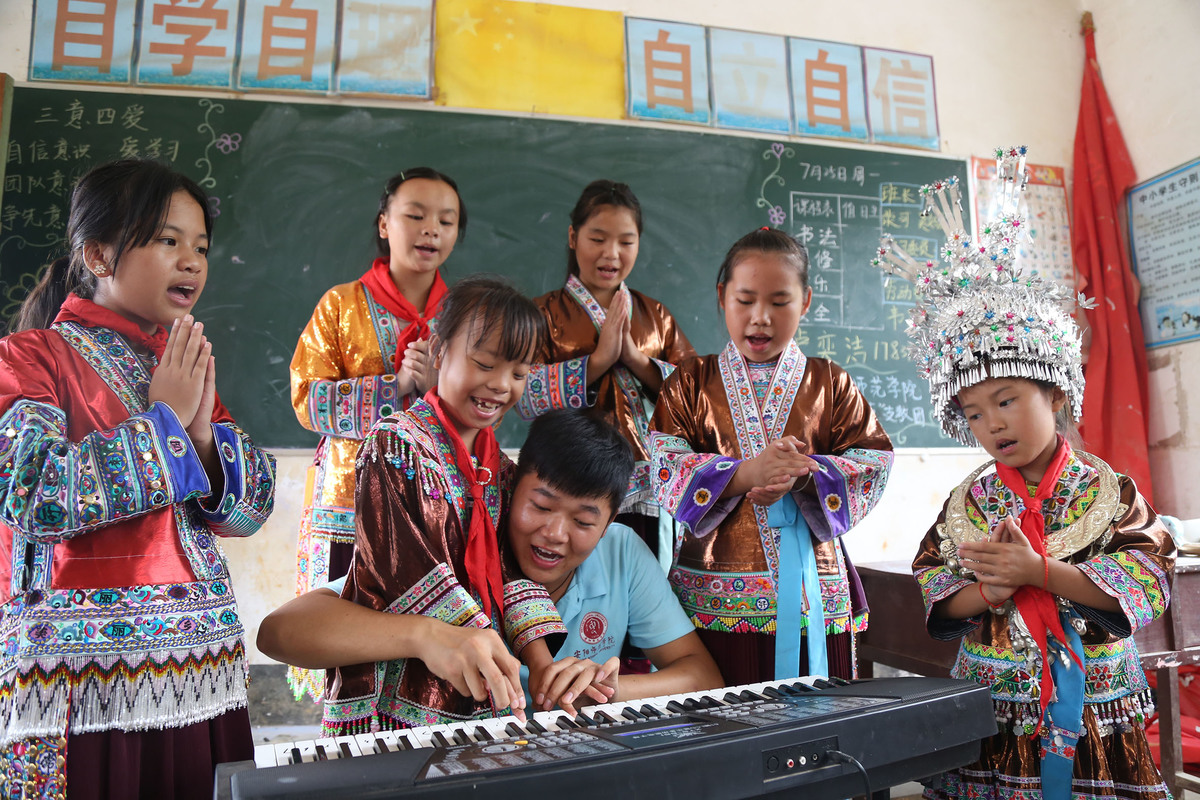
(676, 72)
(779, 84)
(1047, 251)
(1164, 236)
(281, 45)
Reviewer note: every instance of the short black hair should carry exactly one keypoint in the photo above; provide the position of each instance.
(579, 455)
(480, 304)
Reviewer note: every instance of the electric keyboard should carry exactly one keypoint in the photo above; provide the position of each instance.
(743, 741)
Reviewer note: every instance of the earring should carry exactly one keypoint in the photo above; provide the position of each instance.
(100, 270)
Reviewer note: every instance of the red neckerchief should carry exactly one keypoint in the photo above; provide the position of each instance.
(378, 280)
(483, 548)
(1037, 605)
(86, 312)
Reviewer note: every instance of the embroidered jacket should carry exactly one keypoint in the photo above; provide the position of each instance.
(118, 611)
(412, 518)
(575, 318)
(1095, 520)
(706, 422)
(342, 384)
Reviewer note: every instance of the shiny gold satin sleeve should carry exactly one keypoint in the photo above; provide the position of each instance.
(338, 343)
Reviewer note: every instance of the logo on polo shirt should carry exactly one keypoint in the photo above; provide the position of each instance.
(592, 627)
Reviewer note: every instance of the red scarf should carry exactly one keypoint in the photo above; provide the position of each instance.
(483, 548)
(378, 280)
(87, 313)
(1037, 605)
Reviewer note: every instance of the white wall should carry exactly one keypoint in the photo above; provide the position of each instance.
(1007, 72)
(1151, 69)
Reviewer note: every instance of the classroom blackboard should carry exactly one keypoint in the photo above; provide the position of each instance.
(296, 185)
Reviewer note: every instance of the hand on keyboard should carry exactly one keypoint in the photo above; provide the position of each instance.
(477, 662)
(570, 680)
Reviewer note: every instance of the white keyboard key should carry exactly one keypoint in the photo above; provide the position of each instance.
(265, 755)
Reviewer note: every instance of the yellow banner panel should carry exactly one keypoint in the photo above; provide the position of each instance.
(534, 57)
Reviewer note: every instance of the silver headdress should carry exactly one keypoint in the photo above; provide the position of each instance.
(977, 316)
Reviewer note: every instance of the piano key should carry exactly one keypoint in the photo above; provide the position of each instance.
(306, 751)
(821, 683)
(585, 721)
(462, 736)
(750, 696)
(348, 746)
(366, 744)
(773, 693)
(327, 750)
(534, 726)
(265, 756)
(566, 723)
(283, 752)
(482, 734)
(443, 739)
(650, 711)
(677, 706)
(514, 729)
(420, 737)
(604, 717)
(632, 714)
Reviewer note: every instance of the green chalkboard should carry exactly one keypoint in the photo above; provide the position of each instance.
(296, 186)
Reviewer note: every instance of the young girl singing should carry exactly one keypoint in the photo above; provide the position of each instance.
(125, 652)
(610, 347)
(1044, 561)
(364, 355)
(432, 484)
(766, 457)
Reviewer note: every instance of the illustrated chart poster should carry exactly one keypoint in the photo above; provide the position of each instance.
(1164, 237)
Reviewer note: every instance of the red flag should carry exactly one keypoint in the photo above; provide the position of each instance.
(1116, 399)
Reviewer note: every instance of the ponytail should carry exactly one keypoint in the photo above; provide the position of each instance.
(59, 278)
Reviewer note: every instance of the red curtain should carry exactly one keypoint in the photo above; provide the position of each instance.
(1116, 400)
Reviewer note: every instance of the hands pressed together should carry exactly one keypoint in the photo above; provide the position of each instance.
(1004, 562)
(774, 472)
(186, 380)
(417, 373)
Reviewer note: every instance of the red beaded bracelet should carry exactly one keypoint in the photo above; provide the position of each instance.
(985, 599)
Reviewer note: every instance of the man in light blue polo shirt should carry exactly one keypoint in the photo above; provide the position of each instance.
(571, 476)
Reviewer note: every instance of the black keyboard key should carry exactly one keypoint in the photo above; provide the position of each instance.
(514, 729)
(585, 721)
(749, 696)
(461, 737)
(631, 714)
(296, 758)
(821, 683)
(535, 726)
(346, 751)
(604, 717)
(772, 692)
(676, 706)
(802, 687)
(482, 734)
(441, 739)
(650, 711)
(732, 698)
(381, 747)
(566, 722)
